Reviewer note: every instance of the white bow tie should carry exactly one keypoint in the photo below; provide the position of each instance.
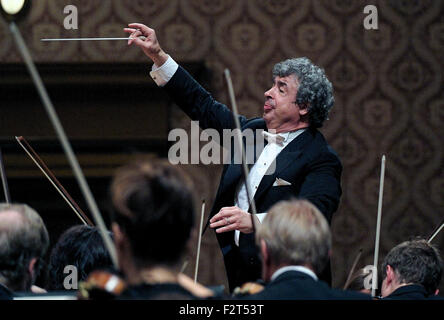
(273, 138)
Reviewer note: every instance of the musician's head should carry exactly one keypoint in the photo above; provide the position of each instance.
(294, 232)
(358, 279)
(412, 262)
(81, 247)
(24, 241)
(153, 213)
(300, 96)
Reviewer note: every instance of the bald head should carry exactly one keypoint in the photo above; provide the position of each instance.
(23, 238)
(10, 220)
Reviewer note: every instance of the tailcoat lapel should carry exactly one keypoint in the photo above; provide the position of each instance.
(286, 157)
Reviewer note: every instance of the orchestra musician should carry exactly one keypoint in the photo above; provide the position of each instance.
(24, 241)
(304, 164)
(295, 243)
(82, 247)
(357, 281)
(153, 215)
(412, 270)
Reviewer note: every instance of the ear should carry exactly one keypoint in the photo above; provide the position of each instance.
(264, 252)
(31, 268)
(266, 263)
(303, 110)
(119, 236)
(390, 274)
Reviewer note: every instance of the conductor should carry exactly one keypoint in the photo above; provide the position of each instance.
(303, 164)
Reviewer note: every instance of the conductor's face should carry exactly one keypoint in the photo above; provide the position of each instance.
(281, 112)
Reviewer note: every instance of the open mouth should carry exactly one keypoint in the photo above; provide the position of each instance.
(267, 107)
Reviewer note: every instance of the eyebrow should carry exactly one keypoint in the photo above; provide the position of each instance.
(282, 84)
(279, 83)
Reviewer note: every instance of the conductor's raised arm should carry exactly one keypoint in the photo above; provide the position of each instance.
(184, 90)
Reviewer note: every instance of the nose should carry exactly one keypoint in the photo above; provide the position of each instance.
(268, 94)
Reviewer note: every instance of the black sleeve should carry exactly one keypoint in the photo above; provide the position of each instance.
(198, 104)
(322, 185)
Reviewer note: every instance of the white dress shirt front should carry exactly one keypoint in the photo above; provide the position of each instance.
(257, 172)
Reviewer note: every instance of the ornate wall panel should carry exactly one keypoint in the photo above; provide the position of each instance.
(388, 90)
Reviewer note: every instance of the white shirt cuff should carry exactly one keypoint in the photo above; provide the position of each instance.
(260, 217)
(161, 75)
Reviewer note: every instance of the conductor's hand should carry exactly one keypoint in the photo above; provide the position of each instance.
(232, 218)
(149, 43)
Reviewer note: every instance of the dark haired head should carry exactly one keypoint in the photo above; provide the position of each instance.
(153, 206)
(82, 247)
(417, 262)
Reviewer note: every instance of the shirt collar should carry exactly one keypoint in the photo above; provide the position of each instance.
(290, 135)
(302, 269)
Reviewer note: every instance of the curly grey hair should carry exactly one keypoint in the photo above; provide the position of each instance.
(315, 91)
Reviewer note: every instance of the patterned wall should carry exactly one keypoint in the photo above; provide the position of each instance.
(388, 90)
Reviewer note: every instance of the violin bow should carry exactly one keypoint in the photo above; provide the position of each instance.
(352, 270)
(436, 231)
(378, 227)
(241, 147)
(199, 241)
(51, 177)
(184, 266)
(4, 180)
(53, 117)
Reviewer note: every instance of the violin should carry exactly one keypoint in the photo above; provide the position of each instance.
(249, 288)
(108, 285)
(101, 285)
